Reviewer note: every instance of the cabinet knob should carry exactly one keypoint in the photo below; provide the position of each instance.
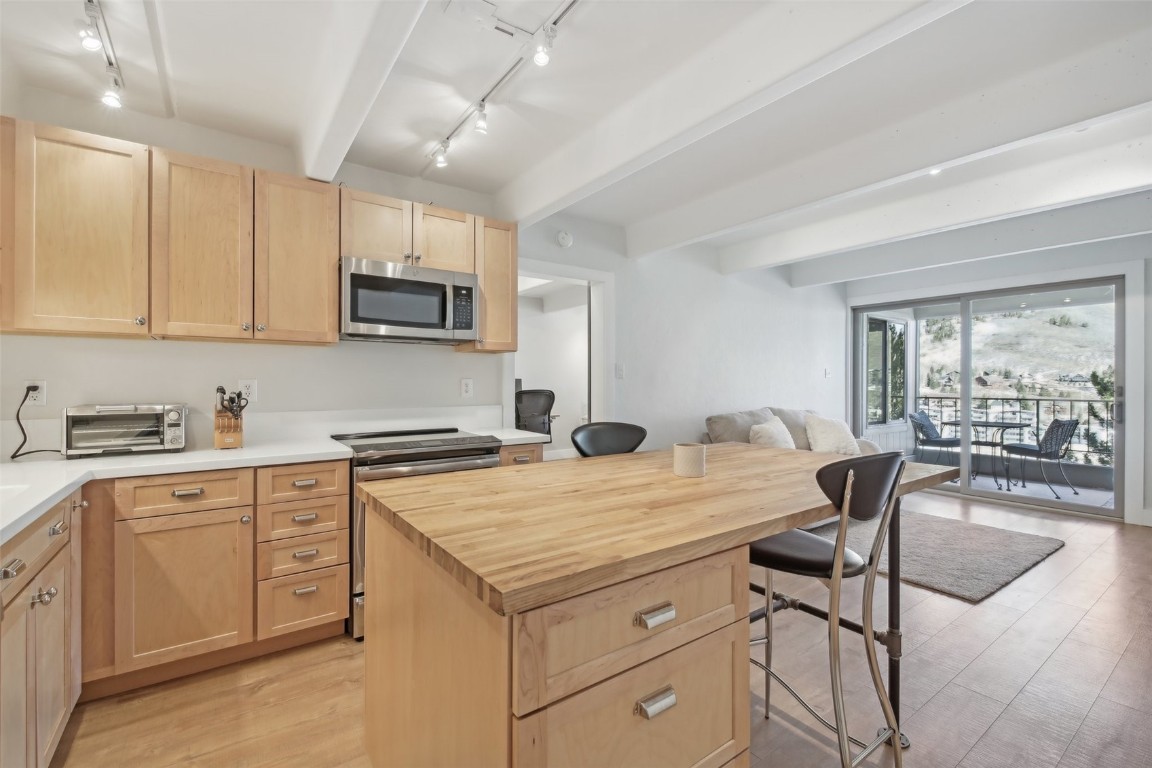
(246, 327)
(407, 257)
(83, 504)
(45, 597)
(245, 519)
(261, 327)
(417, 258)
(141, 320)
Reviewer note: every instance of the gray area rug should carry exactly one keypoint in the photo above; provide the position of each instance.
(957, 558)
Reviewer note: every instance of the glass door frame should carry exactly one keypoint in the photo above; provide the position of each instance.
(860, 316)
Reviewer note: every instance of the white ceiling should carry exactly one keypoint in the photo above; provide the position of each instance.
(772, 132)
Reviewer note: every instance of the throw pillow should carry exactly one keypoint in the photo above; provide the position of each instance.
(771, 433)
(830, 436)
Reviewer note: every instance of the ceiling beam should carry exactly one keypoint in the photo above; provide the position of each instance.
(360, 56)
(1099, 220)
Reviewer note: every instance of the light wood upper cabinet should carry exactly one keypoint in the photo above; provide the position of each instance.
(78, 261)
(388, 229)
(443, 239)
(375, 226)
(297, 259)
(183, 585)
(201, 247)
(497, 271)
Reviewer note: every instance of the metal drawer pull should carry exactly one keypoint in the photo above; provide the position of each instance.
(13, 569)
(305, 590)
(59, 528)
(304, 483)
(178, 492)
(653, 617)
(522, 459)
(659, 702)
(306, 518)
(306, 553)
(44, 598)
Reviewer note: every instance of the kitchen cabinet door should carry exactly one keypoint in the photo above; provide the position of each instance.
(201, 247)
(496, 269)
(297, 259)
(79, 256)
(183, 585)
(52, 641)
(443, 239)
(375, 226)
(17, 696)
(7, 219)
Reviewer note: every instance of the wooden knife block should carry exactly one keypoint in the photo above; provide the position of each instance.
(229, 430)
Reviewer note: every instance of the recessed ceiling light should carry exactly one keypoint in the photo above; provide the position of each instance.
(542, 44)
(1068, 300)
(90, 40)
(935, 171)
(111, 97)
(441, 155)
(482, 118)
(1022, 305)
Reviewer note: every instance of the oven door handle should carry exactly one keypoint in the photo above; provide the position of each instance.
(427, 467)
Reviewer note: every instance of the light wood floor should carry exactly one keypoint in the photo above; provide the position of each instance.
(1054, 670)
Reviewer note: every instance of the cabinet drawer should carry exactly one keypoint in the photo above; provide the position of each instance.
(187, 492)
(303, 553)
(564, 647)
(301, 481)
(294, 518)
(513, 455)
(302, 600)
(25, 553)
(696, 698)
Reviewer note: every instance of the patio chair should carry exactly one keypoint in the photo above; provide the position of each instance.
(927, 436)
(1052, 447)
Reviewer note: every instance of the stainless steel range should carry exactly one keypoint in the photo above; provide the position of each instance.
(383, 455)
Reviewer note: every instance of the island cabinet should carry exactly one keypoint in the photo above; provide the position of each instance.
(75, 232)
(651, 671)
(39, 637)
(496, 268)
(388, 229)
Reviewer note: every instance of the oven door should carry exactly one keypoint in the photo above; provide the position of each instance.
(94, 430)
(384, 301)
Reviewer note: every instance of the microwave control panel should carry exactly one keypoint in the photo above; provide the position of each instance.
(462, 307)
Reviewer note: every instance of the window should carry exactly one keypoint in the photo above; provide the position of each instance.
(885, 371)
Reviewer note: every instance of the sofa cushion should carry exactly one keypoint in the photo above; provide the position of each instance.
(772, 433)
(735, 427)
(796, 422)
(831, 436)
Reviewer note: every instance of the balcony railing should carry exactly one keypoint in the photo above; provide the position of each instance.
(1092, 443)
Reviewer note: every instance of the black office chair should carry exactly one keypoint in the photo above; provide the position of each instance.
(861, 488)
(927, 436)
(603, 438)
(534, 410)
(1052, 447)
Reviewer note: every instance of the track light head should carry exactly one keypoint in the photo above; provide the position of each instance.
(441, 154)
(482, 118)
(90, 40)
(542, 43)
(111, 97)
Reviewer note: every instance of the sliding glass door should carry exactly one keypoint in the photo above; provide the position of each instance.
(1020, 388)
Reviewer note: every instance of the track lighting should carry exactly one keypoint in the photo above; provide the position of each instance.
(542, 44)
(482, 118)
(441, 154)
(111, 97)
(90, 39)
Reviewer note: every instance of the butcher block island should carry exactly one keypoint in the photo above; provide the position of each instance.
(585, 612)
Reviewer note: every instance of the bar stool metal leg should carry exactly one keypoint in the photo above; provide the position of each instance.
(768, 643)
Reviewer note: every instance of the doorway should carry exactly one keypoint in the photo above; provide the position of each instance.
(1022, 389)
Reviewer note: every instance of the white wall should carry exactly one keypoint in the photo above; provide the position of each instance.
(553, 354)
(694, 342)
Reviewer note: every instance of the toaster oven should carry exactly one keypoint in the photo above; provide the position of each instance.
(93, 430)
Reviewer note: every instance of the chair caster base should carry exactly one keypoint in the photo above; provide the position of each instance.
(904, 743)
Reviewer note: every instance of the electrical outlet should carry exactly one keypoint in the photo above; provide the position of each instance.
(466, 389)
(248, 389)
(40, 396)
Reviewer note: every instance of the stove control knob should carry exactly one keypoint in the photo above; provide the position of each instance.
(173, 416)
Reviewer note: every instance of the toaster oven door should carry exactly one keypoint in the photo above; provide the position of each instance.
(112, 429)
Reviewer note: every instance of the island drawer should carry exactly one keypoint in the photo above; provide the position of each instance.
(688, 707)
(301, 600)
(302, 553)
(22, 556)
(566, 646)
(293, 482)
(515, 455)
(186, 492)
(296, 518)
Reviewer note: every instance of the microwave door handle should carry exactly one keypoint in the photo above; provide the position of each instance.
(449, 319)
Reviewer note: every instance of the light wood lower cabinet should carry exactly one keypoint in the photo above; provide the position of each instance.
(515, 455)
(39, 657)
(183, 585)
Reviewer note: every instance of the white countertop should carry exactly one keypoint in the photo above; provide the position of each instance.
(28, 489)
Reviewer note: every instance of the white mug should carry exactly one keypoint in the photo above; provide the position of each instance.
(688, 459)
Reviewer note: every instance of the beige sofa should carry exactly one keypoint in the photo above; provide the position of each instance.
(734, 427)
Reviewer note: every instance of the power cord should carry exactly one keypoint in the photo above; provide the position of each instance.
(29, 389)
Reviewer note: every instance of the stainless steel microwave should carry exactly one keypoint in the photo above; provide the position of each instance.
(91, 430)
(386, 301)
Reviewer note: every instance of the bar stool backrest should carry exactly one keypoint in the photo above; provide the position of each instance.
(604, 438)
(873, 483)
